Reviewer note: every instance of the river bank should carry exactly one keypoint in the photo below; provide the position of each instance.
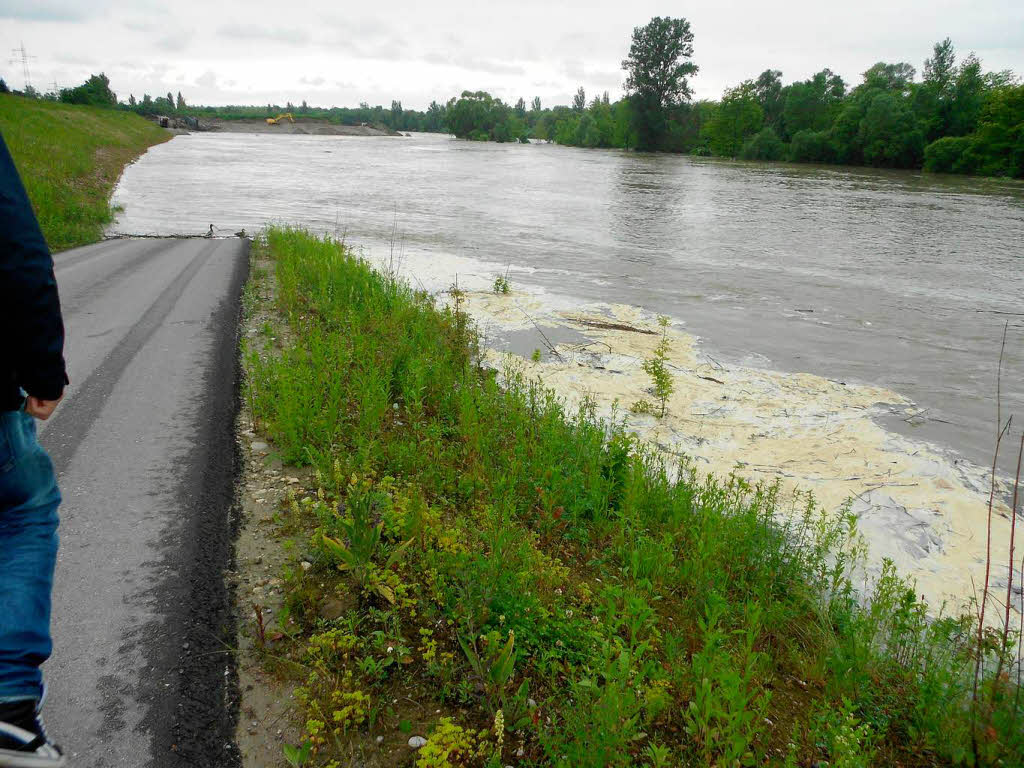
(299, 126)
(916, 504)
(891, 278)
(70, 158)
(472, 567)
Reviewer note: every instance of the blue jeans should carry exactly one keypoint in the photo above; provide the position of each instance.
(28, 552)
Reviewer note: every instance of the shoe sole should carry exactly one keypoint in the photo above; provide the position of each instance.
(9, 759)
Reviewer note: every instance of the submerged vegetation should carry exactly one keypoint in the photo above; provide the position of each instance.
(527, 586)
(70, 158)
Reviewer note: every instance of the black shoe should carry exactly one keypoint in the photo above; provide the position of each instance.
(23, 740)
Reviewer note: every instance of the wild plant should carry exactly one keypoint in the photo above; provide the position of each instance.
(726, 712)
(356, 549)
(493, 662)
(656, 367)
(502, 285)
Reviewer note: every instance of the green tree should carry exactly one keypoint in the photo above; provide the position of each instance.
(579, 101)
(535, 106)
(889, 134)
(3, 86)
(764, 145)
(812, 147)
(968, 97)
(521, 107)
(95, 91)
(933, 101)
(812, 105)
(659, 68)
(180, 102)
(738, 117)
(890, 77)
(769, 93)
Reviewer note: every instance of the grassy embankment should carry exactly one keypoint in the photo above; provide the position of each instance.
(70, 158)
(530, 587)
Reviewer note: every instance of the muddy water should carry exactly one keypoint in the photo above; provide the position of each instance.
(884, 293)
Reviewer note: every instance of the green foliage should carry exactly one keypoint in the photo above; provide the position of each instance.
(94, 92)
(658, 64)
(70, 158)
(502, 285)
(475, 115)
(812, 147)
(764, 145)
(812, 105)
(657, 368)
(566, 577)
(950, 154)
(297, 756)
(738, 117)
(889, 135)
(727, 710)
(659, 67)
(493, 662)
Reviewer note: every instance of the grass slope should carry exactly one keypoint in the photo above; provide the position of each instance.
(70, 158)
(532, 587)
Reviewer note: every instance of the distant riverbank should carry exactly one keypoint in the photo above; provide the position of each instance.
(300, 126)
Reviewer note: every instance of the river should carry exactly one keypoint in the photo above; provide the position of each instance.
(896, 282)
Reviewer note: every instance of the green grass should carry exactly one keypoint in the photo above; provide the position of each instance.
(70, 158)
(533, 587)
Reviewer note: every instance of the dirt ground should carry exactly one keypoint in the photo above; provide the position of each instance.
(266, 717)
(301, 126)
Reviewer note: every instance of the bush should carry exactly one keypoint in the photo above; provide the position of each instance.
(950, 154)
(812, 147)
(765, 145)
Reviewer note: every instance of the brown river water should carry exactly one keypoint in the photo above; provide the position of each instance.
(837, 329)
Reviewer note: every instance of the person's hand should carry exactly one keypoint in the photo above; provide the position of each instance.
(41, 409)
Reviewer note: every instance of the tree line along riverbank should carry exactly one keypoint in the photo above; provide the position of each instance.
(957, 118)
(70, 157)
(496, 581)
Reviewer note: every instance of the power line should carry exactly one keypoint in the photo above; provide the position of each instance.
(21, 56)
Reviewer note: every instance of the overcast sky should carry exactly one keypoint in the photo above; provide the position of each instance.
(342, 53)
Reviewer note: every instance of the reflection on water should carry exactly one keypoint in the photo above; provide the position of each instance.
(893, 278)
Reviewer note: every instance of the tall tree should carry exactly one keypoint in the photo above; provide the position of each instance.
(658, 66)
(940, 69)
(535, 106)
(579, 101)
(933, 101)
(180, 102)
(737, 118)
(769, 93)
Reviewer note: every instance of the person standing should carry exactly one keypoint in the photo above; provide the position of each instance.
(32, 381)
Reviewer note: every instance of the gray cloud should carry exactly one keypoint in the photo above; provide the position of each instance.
(314, 81)
(207, 80)
(473, 63)
(580, 73)
(50, 10)
(290, 35)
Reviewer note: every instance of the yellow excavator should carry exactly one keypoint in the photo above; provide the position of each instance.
(279, 118)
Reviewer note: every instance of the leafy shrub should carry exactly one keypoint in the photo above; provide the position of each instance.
(764, 145)
(812, 147)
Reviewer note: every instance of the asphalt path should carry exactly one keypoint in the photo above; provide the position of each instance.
(145, 453)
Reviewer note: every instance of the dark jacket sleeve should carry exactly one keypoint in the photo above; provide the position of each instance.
(28, 289)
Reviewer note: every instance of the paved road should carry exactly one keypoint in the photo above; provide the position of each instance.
(144, 448)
